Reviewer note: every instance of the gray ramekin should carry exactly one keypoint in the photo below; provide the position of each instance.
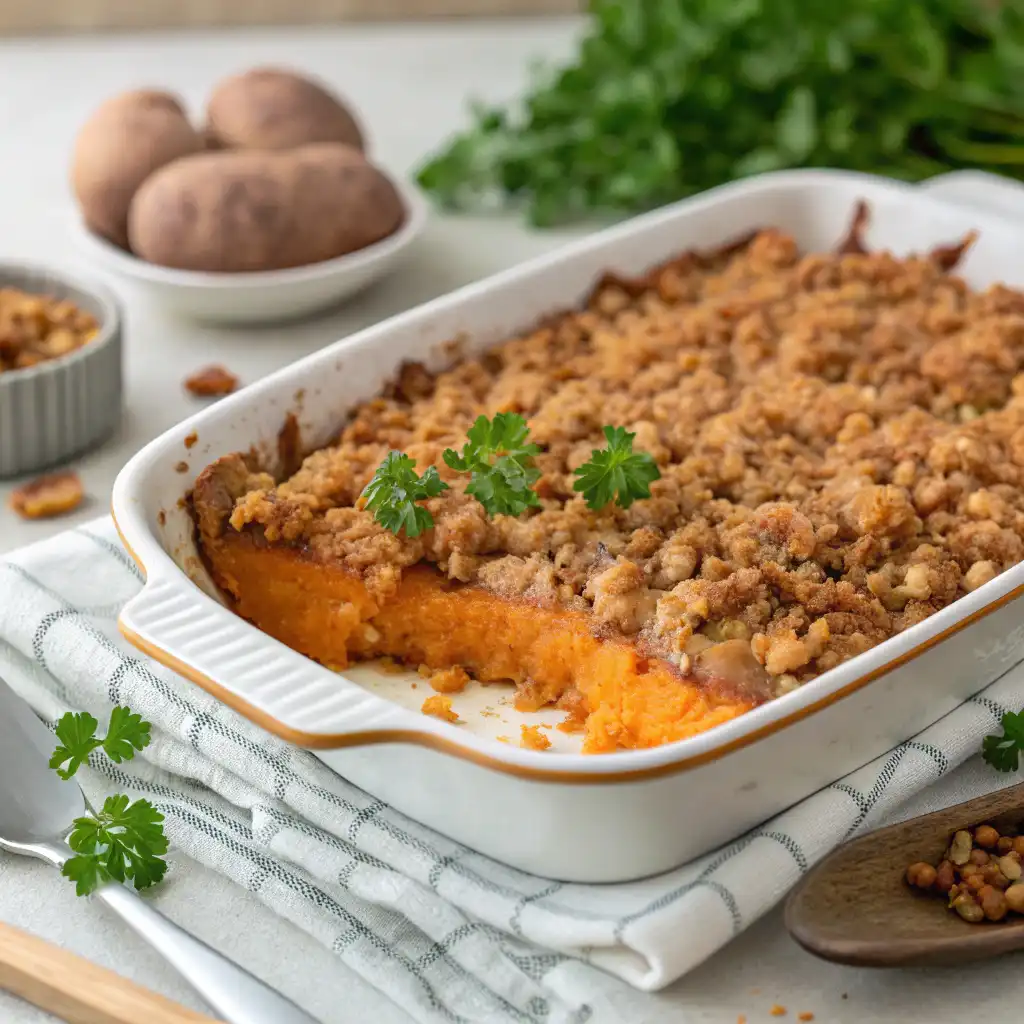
(60, 408)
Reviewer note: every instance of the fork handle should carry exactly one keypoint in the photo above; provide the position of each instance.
(76, 990)
(236, 995)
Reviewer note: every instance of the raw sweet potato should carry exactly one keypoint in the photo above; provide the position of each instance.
(249, 211)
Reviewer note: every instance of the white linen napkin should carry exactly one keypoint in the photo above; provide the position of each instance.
(446, 933)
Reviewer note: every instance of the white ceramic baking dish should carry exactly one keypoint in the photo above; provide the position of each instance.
(560, 813)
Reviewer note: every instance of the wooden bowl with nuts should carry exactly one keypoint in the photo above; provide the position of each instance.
(944, 888)
(60, 367)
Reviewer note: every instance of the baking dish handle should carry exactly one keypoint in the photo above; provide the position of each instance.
(279, 689)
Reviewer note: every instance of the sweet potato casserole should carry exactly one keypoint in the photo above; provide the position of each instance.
(840, 439)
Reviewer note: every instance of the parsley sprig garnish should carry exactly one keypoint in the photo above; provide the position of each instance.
(499, 459)
(395, 489)
(616, 473)
(126, 733)
(500, 463)
(125, 840)
(1004, 752)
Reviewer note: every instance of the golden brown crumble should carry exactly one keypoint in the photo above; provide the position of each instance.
(37, 328)
(840, 438)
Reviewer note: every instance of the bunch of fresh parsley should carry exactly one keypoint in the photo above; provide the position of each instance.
(125, 840)
(665, 98)
(500, 462)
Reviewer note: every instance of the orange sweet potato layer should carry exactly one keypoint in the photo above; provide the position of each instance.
(327, 614)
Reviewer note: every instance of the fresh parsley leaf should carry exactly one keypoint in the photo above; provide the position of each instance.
(77, 736)
(616, 473)
(506, 488)
(124, 841)
(394, 490)
(500, 463)
(1004, 752)
(126, 734)
(506, 433)
(86, 872)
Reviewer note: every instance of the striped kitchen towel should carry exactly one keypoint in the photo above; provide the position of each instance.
(446, 933)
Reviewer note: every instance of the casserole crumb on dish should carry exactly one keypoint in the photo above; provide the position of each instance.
(840, 438)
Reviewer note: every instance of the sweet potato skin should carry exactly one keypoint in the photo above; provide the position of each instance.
(274, 109)
(249, 210)
(125, 140)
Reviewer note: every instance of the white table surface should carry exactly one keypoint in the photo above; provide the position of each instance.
(410, 84)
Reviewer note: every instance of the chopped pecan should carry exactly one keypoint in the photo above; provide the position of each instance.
(48, 496)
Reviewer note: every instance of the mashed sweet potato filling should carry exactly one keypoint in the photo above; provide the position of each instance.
(619, 698)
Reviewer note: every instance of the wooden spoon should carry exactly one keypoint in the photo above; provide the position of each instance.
(78, 991)
(856, 908)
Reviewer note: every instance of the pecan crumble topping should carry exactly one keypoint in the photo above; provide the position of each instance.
(840, 438)
(37, 328)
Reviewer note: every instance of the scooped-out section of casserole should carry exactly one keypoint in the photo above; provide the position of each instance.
(839, 449)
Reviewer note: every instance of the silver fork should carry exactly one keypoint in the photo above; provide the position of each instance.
(36, 811)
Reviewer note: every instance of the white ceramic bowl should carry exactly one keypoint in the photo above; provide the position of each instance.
(268, 296)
